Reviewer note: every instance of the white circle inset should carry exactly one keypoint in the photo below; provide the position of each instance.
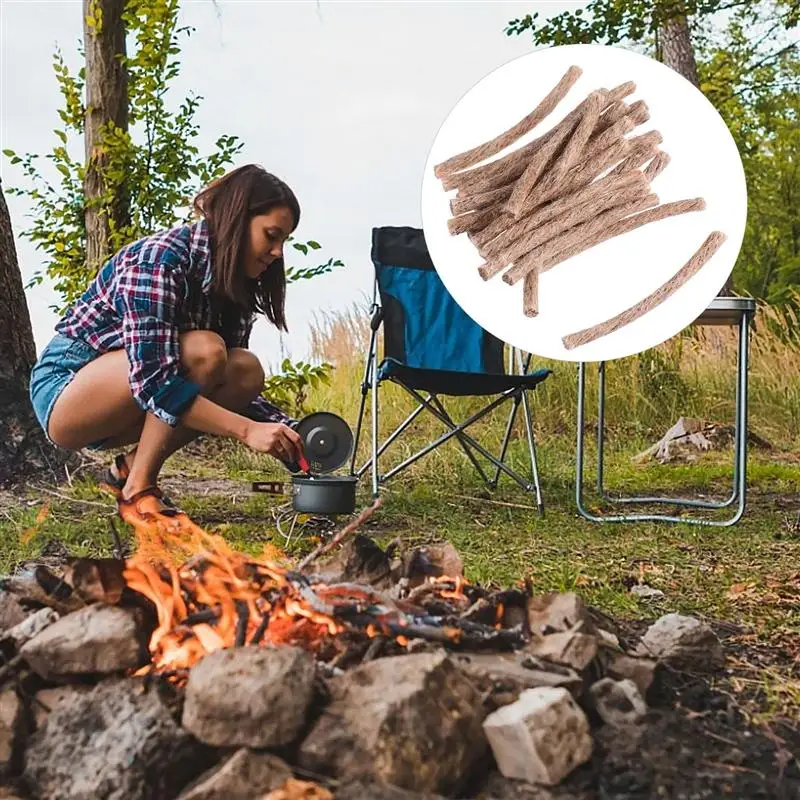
(599, 283)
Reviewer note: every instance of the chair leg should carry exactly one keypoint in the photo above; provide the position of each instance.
(375, 476)
(462, 441)
(532, 450)
(506, 438)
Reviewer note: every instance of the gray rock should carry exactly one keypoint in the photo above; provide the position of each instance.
(557, 612)
(11, 612)
(617, 702)
(541, 738)
(31, 626)
(411, 721)
(576, 650)
(243, 776)
(249, 696)
(118, 742)
(359, 790)
(46, 700)
(645, 592)
(11, 729)
(97, 639)
(683, 643)
(503, 676)
(639, 670)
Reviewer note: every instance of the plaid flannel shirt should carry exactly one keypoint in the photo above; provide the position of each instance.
(141, 300)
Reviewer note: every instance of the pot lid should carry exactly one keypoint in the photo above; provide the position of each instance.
(327, 441)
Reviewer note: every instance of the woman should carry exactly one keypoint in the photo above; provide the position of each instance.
(155, 351)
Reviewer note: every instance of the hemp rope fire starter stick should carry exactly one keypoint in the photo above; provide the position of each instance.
(575, 235)
(474, 202)
(580, 176)
(474, 221)
(623, 226)
(530, 293)
(576, 139)
(567, 221)
(492, 244)
(507, 169)
(657, 165)
(705, 252)
(528, 123)
(519, 158)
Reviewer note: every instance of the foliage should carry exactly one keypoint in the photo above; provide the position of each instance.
(749, 68)
(156, 164)
(289, 390)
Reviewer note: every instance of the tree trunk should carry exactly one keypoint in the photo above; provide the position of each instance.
(675, 50)
(23, 447)
(106, 103)
(675, 42)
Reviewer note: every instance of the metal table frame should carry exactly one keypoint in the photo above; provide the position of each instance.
(732, 311)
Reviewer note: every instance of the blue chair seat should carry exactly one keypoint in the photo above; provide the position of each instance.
(457, 384)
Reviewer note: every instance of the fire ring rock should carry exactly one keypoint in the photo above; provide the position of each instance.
(118, 742)
(249, 696)
(414, 722)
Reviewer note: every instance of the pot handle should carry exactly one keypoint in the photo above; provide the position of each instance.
(269, 487)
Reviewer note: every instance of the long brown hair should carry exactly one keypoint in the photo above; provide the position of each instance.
(228, 204)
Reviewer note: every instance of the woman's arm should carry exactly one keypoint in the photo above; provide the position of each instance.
(148, 298)
(267, 437)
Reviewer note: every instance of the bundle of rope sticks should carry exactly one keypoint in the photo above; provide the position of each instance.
(579, 184)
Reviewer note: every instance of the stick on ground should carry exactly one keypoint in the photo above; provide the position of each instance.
(703, 255)
(351, 527)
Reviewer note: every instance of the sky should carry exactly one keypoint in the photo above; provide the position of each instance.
(340, 99)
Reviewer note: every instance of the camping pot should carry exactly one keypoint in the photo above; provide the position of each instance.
(324, 494)
(327, 444)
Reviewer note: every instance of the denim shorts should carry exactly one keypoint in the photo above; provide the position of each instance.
(56, 367)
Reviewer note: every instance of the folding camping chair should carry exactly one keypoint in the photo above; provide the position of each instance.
(432, 348)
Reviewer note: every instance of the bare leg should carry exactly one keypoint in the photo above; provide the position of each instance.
(242, 380)
(98, 403)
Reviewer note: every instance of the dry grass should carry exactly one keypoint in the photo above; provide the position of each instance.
(692, 375)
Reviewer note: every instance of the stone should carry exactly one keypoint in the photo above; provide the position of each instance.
(411, 721)
(11, 729)
(95, 640)
(683, 643)
(241, 777)
(249, 696)
(541, 738)
(576, 650)
(639, 670)
(617, 703)
(499, 787)
(45, 700)
(645, 592)
(31, 626)
(503, 676)
(360, 790)
(557, 612)
(119, 742)
(11, 612)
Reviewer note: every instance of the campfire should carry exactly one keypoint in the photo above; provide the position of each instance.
(194, 671)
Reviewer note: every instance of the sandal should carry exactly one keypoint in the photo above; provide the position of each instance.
(135, 508)
(115, 483)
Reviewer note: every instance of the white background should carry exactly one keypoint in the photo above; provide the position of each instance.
(599, 283)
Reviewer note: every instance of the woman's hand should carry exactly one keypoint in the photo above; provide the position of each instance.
(275, 438)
